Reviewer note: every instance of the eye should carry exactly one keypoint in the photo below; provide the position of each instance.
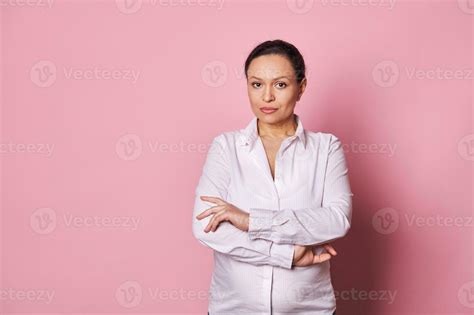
(284, 84)
(253, 84)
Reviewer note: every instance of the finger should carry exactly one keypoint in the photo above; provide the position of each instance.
(330, 249)
(210, 225)
(215, 200)
(211, 222)
(321, 258)
(208, 212)
(221, 216)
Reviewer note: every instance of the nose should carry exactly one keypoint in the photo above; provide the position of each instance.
(268, 95)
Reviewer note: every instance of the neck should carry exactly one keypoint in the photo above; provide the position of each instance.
(278, 130)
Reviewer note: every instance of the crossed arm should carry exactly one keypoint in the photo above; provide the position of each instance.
(311, 226)
(228, 239)
(271, 235)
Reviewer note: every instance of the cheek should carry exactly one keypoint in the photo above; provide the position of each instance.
(286, 102)
(287, 95)
(254, 97)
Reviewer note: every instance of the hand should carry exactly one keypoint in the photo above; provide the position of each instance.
(224, 211)
(304, 255)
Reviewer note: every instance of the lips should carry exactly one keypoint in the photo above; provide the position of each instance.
(268, 110)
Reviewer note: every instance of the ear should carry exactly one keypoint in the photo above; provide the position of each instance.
(302, 88)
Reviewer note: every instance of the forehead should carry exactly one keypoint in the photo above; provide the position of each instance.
(268, 67)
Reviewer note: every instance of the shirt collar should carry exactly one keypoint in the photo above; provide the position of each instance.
(249, 134)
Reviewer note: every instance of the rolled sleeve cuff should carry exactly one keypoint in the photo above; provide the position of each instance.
(282, 254)
(260, 223)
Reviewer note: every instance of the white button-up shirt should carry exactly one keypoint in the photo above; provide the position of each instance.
(309, 202)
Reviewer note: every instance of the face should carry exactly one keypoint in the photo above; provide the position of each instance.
(271, 82)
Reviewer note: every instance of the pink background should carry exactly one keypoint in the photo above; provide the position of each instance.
(123, 149)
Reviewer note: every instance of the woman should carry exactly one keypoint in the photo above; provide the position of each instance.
(271, 197)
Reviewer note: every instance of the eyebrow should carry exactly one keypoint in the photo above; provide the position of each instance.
(273, 79)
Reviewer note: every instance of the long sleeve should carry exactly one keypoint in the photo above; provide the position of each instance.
(228, 239)
(311, 226)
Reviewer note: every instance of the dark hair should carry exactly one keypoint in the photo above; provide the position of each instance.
(282, 48)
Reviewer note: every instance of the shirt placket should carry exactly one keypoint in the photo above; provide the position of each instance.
(279, 168)
(278, 185)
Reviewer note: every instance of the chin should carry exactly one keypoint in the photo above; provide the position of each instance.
(268, 118)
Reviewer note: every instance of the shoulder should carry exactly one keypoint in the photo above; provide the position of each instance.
(322, 139)
(228, 139)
